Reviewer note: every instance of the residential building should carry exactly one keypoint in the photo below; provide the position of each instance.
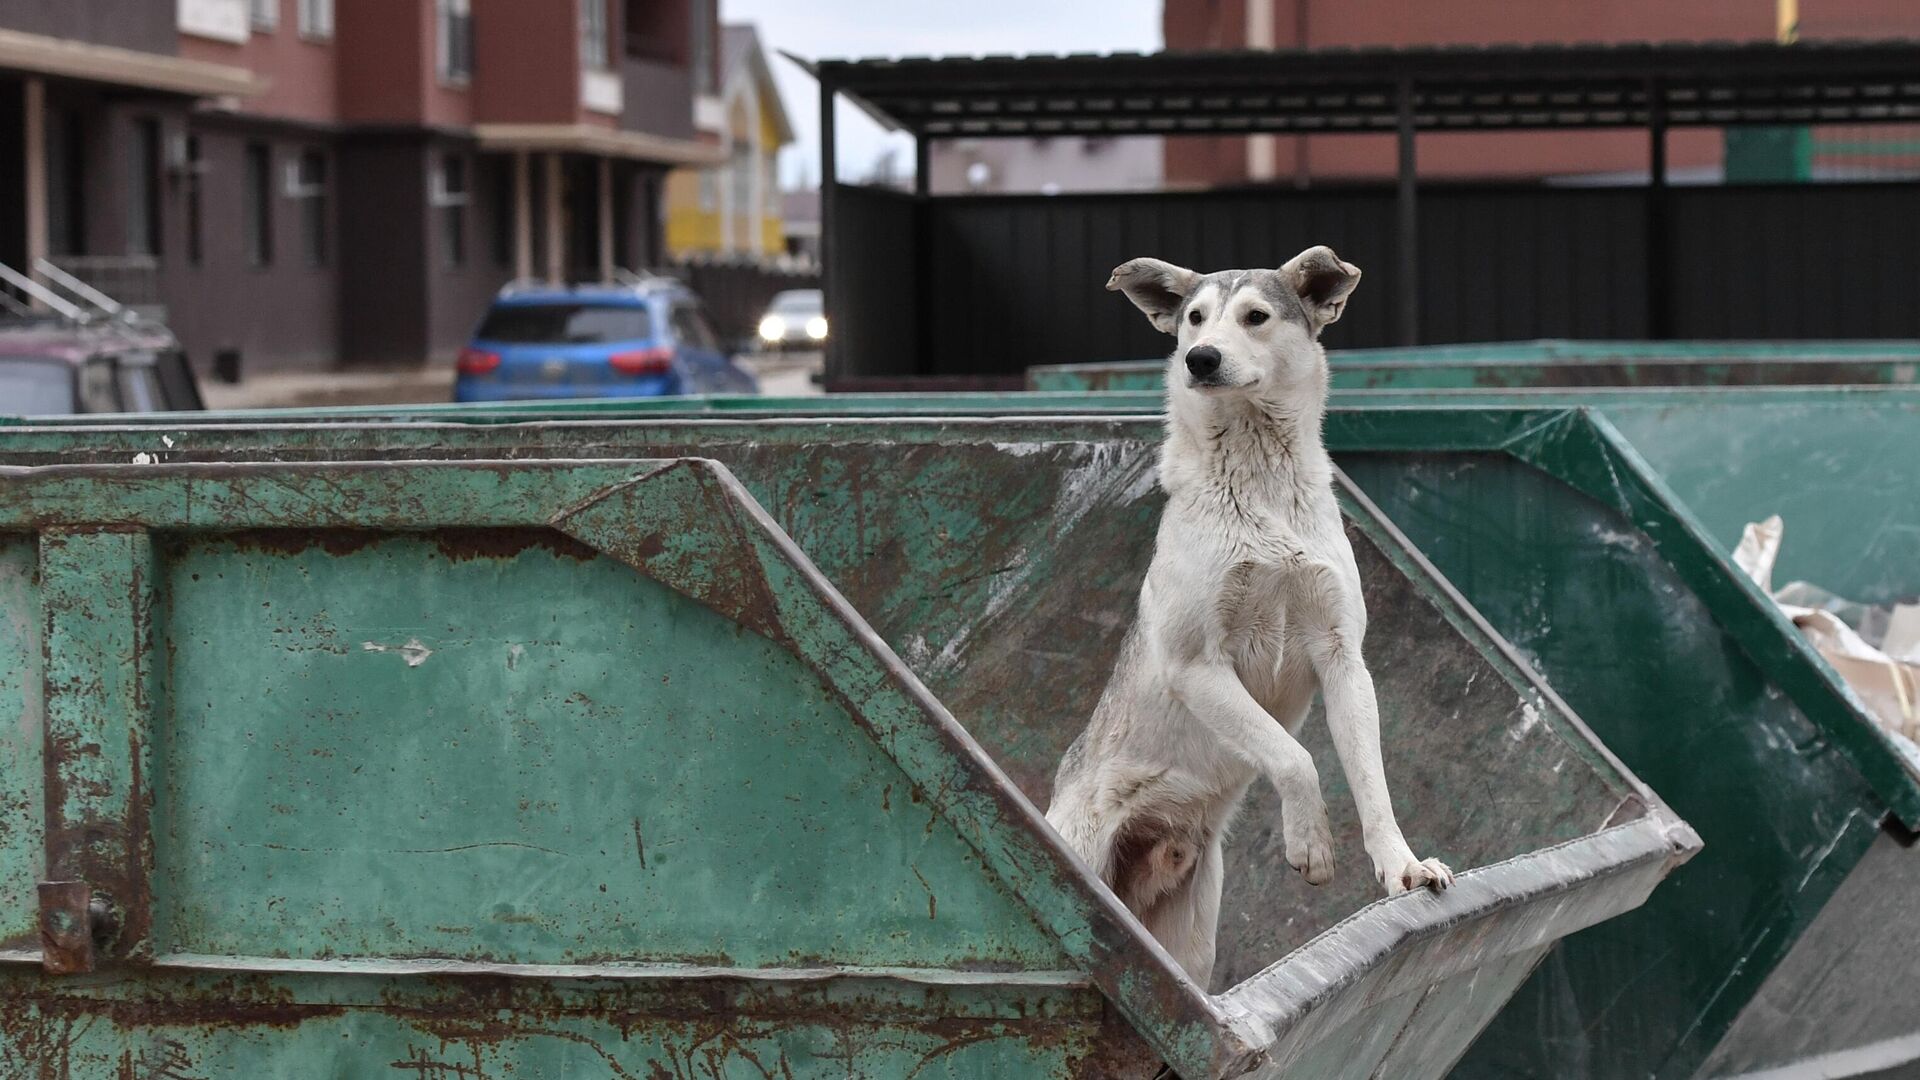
(1052, 165)
(323, 182)
(1693, 155)
(733, 208)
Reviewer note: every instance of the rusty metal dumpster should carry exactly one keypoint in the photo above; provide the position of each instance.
(1800, 779)
(488, 768)
(1559, 363)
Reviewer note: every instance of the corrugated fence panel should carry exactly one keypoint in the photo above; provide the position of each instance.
(1017, 280)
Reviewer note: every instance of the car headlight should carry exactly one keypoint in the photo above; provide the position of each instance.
(773, 328)
(817, 328)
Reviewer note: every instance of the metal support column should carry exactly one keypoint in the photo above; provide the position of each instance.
(34, 135)
(1659, 294)
(522, 217)
(1407, 238)
(837, 327)
(922, 253)
(556, 221)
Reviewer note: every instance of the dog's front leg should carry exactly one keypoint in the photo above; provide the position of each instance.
(1353, 718)
(1213, 693)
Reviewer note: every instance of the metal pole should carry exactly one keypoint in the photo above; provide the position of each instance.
(837, 327)
(1659, 296)
(34, 134)
(1408, 235)
(922, 253)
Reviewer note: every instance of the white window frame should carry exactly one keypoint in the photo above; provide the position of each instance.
(316, 19)
(595, 36)
(263, 15)
(445, 14)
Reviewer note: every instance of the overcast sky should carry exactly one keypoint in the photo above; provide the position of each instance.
(842, 29)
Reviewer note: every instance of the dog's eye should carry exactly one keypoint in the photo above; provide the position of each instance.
(1195, 317)
(1256, 317)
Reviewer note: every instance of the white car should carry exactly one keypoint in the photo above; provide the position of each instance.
(795, 320)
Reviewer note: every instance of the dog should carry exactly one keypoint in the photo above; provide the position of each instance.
(1251, 603)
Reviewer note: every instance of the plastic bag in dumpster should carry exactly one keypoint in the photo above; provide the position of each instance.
(1876, 650)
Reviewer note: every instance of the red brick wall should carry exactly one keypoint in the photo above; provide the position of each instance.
(526, 63)
(301, 71)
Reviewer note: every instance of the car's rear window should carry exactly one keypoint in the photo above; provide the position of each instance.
(35, 387)
(797, 302)
(565, 324)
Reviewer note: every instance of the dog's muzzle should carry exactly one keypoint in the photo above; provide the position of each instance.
(1203, 363)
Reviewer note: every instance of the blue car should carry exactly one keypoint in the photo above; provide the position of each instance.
(645, 338)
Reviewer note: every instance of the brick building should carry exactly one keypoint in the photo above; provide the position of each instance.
(325, 182)
(1693, 155)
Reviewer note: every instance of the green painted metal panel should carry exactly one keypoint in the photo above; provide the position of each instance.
(22, 733)
(268, 827)
(323, 620)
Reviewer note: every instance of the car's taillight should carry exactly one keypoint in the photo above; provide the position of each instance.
(477, 362)
(655, 361)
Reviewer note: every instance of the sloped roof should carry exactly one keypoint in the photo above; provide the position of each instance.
(740, 45)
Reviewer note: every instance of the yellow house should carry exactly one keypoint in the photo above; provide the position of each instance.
(734, 208)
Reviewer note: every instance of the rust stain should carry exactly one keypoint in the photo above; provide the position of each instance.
(460, 545)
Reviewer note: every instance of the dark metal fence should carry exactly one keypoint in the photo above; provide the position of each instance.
(987, 286)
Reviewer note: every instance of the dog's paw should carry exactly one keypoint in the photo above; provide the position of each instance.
(1416, 873)
(1310, 846)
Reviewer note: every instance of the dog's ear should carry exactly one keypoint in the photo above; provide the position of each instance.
(1323, 283)
(1155, 287)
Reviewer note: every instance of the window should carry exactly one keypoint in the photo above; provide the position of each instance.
(143, 189)
(454, 19)
(316, 18)
(652, 33)
(593, 35)
(565, 324)
(139, 386)
(700, 53)
(195, 224)
(36, 387)
(307, 182)
(257, 205)
(691, 328)
(450, 196)
(265, 14)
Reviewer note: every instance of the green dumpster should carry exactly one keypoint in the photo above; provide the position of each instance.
(1559, 363)
(1593, 551)
(522, 763)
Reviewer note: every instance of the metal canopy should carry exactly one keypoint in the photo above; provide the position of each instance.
(1500, 87)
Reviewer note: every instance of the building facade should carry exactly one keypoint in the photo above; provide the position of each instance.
(733, 208)
(1595, 156)
(315, 183)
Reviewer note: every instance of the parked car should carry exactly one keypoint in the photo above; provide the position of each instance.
(796, 319)
(51, 367)
(646, 337)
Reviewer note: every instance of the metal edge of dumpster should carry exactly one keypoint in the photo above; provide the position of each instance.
(1553, 361)
(1279, 1003)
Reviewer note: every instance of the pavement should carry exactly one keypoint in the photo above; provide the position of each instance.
(787, 375)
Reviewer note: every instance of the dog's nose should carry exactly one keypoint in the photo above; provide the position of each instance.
(1203, 360)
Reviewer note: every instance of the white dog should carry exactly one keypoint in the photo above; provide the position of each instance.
(1251, 602)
